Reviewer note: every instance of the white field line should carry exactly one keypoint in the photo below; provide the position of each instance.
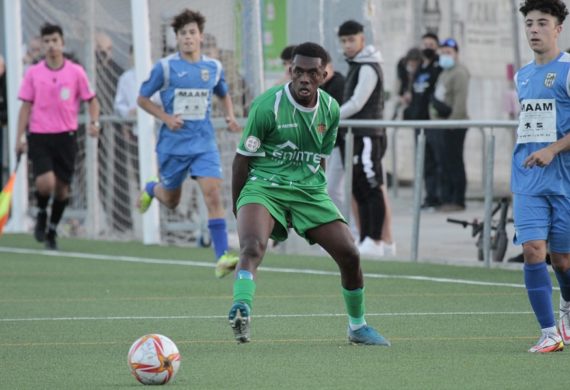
(270, 316)
(144, 260)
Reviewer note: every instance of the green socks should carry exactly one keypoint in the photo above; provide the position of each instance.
(354, 302)
(244, 288)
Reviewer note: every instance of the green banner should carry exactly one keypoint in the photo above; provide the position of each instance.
(274, 18)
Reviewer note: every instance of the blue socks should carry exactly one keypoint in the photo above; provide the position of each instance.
(539, 289)
(564, 283)
(219, 236)
(149, 188)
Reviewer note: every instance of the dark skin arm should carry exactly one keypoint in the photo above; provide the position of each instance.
(240, 170)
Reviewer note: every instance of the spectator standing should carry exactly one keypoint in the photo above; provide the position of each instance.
(423, 87)
(51, 93)
(113, 146)
(125, 105)
(186, 146)
(33, 52)
(450, 102)
(286, 59)
(406, 71)
(364, 99)
(107, 72)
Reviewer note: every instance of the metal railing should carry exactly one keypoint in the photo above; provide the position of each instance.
(487, 127)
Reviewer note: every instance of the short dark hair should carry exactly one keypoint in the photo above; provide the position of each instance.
(414, 54)
(350, 27)
(287, 53)
(311, 49)
(431, 36)
(48, 29)
(188, 16)
(556, 8)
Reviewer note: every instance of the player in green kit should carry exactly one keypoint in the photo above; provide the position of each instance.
(279, 181)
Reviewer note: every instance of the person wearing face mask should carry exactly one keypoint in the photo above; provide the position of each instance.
(450, 102)
(364, 99)
(407, 68)
(423, 86)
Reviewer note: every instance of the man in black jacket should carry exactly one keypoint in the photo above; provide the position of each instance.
(364, 99)
(423, 87)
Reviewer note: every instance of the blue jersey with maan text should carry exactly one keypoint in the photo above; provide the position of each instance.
(186, 88)
(544, 95)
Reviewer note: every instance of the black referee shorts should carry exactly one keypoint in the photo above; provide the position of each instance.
(53, 152)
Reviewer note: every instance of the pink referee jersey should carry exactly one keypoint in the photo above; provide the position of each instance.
(55, 95)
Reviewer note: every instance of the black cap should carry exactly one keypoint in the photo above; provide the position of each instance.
(350, 27)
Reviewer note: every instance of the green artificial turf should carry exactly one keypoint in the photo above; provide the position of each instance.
(68, 321)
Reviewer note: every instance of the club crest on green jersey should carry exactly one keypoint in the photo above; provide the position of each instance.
(549, 80)
(252, 144)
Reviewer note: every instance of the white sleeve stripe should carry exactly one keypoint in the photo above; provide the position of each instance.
(568, 83)
(249, 154)
(276, 104)
(218, 71)
(165, 73)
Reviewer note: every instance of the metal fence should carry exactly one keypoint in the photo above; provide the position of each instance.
(488, 130)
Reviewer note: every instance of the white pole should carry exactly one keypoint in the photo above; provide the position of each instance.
(253, 47)
(145, 122)
(93, 220)
(14, 71)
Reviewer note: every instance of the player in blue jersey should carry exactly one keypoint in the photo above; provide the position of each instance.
(186, 81)
(540, 178)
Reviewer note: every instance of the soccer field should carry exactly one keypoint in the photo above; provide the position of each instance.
(68, 319)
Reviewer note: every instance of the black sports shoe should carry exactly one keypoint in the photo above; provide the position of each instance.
(40, 229)
(51, 243)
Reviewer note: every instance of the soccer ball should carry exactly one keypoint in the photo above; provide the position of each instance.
(154, 359)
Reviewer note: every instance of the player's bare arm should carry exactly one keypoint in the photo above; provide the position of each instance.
(544, 156)
(173, 122)
(240, 170)
(23, 120)
(228, 108)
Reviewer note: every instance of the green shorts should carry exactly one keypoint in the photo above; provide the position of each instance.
(291, 207)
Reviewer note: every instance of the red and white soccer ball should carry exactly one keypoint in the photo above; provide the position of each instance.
(154, 359)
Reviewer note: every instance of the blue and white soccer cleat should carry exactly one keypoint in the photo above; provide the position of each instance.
(239, 321)
(367, 335)
(145, 199)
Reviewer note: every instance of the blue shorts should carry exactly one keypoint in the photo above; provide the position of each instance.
(544, 217)
(175, 169)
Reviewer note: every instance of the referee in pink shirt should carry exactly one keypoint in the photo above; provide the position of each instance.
(51, 94)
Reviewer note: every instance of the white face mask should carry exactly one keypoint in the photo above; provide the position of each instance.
(446, 61)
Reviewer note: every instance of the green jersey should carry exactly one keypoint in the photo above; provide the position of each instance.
(287, 141)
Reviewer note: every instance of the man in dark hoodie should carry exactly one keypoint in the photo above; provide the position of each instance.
(363, 99)
(423, 87)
